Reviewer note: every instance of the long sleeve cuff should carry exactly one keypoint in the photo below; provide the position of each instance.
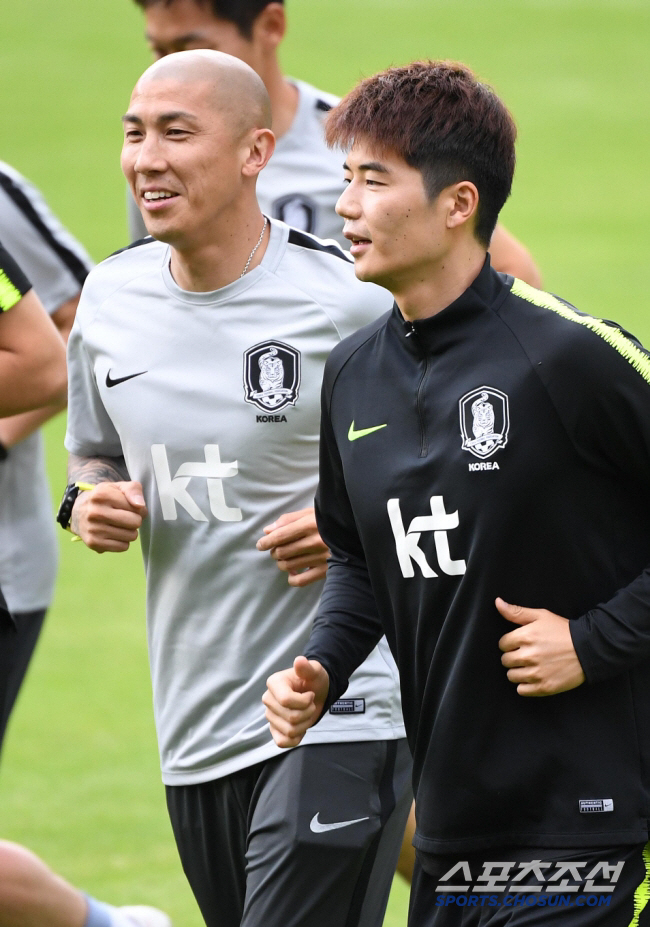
(615, 636)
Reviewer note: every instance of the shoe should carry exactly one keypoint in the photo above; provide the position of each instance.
(144, 916)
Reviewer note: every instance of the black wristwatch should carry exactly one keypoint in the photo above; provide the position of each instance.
(72, 490)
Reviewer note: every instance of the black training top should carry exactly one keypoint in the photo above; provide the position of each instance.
(498, 448)
(13, 282)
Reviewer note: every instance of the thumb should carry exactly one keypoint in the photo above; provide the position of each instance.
(283, 520)
(516, 613)
(133, 493)
(306, 670)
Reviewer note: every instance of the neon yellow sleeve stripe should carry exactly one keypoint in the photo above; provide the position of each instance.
(613, 336)
(9, 294)
(642, 893)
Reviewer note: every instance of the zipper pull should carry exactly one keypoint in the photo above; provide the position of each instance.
(410, 329)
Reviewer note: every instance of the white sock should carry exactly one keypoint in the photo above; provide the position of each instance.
(101, 914)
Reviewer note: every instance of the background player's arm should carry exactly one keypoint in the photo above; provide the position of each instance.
(64, 316)
(56, 264)
(509, 256)
(107, 517)
(295, 543)
(32, 371)
(18, 427)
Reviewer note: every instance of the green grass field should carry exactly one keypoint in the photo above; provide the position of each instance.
(79, 782)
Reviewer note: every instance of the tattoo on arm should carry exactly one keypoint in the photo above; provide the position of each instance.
(96, 469)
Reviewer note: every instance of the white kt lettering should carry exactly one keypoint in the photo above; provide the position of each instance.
(407, 542)
(173, 491)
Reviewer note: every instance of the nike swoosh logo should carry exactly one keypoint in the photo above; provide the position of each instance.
(353, 435)
(317, 828)
(110, 382)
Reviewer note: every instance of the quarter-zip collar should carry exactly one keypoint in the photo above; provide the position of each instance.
(446, 327)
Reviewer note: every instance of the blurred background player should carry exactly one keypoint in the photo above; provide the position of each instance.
(178, 445)
(33, 376)
(57, 265)
(304, 178)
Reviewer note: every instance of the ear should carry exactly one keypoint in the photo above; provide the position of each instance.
(261, 145)
(463, 203)
(270, 25)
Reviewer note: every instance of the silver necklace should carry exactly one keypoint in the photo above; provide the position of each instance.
(252, 254)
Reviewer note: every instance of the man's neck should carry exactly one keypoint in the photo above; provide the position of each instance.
(211, 264)
(430, 292)
(284, 98)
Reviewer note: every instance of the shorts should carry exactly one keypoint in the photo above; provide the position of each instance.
(309, 837)
(533, 887)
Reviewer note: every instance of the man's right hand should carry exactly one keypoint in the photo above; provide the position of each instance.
(294, 700)
(108, 517)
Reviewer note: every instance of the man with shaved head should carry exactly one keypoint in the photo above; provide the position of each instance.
(195, 367)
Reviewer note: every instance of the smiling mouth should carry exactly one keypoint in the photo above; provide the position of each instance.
(155, 196)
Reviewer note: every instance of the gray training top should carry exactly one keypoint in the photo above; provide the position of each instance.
(214, 400)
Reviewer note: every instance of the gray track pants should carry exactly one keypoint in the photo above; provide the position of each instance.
(260, 850)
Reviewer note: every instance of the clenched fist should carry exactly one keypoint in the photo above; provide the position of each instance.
(108, 516)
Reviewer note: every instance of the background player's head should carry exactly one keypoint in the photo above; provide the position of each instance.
(196, 135)
(431, 161)
(249, 29)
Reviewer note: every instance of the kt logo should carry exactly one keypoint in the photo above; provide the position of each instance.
(173, 490)
(406, 542)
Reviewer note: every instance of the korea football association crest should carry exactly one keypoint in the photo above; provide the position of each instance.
(484, 421)
(271, 375)
(297, 210)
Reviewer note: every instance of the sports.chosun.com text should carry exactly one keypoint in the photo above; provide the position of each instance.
(513, 901)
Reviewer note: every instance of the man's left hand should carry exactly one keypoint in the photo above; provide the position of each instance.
(294, 542)
(539, 655)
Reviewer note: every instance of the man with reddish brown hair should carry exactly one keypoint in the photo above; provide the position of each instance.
(484, 440)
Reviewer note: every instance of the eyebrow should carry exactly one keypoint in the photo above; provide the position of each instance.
(370, 166)
(179, 39)
(162, 119)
